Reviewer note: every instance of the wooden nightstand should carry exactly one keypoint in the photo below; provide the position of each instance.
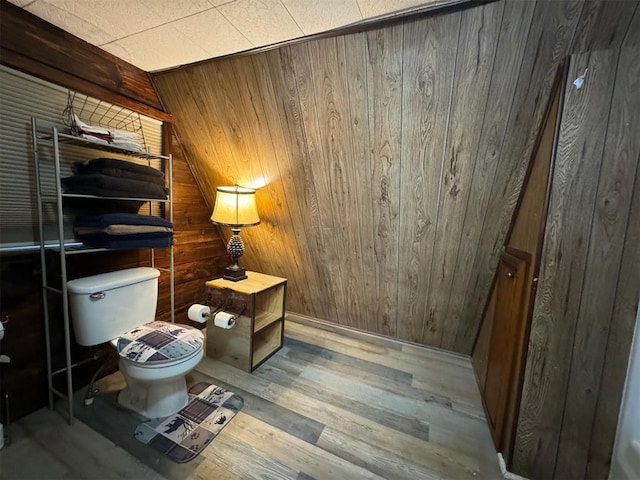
(257, 334)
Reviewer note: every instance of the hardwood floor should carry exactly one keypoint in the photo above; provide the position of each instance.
(328, 405)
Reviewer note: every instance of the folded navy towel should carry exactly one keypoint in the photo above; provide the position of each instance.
(140, 240)
(99, 206)
(120, 219)
(121, 164)
(121, 173)
(108, 186)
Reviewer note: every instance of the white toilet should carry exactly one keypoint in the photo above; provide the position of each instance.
(119, 307)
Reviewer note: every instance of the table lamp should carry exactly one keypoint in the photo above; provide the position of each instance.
(235, 207)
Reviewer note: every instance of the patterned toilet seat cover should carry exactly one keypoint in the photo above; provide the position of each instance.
(159, 342)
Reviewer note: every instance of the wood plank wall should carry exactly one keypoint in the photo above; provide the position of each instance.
(393, 158)
(200, 253)
(590, 276)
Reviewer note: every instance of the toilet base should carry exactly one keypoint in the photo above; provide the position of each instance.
(155, 399)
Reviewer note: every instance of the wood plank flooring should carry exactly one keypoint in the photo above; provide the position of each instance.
(328, 405)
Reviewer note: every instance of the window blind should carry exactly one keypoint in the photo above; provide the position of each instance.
(22, 97)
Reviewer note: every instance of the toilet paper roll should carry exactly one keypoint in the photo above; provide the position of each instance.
(224, 320)
(198, 313)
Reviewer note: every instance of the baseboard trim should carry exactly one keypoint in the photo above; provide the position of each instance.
(371, 337)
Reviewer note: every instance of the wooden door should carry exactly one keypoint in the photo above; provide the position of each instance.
(509, 325)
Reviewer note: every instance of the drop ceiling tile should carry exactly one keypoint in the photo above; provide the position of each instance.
(212, 32)
(373, 8)
(71, 22)
(263, 22)
(126, 17)
(313, 16)
(154, 52)
(198, 37)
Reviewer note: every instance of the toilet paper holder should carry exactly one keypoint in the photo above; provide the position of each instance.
(224, 306)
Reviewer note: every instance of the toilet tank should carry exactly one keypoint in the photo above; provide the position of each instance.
(105, 306)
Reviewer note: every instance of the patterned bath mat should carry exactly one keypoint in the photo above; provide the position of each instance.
(185, 434)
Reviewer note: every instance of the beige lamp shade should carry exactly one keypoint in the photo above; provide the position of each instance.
(235, 207)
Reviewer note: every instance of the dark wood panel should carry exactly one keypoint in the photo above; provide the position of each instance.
(479, 30)
(528, 235)
(425, 110)
(384, 95)
(337, 173)
(514, 30)
(564, 258)
(623, 320)
(603, 25)
(548, 41)
(609, 225)
(185, 253)
(355, 72)
(321, 220)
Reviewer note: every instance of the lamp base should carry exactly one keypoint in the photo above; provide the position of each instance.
(235, 249)
(234, 273)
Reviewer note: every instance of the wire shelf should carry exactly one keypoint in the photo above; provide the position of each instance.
(85, 114)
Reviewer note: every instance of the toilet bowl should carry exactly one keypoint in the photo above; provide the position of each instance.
(119, 307)
(154, 367)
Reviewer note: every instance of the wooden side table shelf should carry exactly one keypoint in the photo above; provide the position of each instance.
(257, 334)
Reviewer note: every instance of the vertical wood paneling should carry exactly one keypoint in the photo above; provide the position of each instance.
(564, 257)
(609, 226)
(384, 81)
(199, 251)
(427, 76)
(616, 359)
(282, 74)
(241, 136)
(356, 78)
(332, 114)
(479, 30)
(287, 174)
(603, 25)
(329, 243)
(516, 21)
(260, 161)
(548, 40)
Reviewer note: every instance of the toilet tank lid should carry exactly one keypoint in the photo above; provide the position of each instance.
(111, 280)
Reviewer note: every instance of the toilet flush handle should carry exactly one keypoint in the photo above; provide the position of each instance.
(97, 296)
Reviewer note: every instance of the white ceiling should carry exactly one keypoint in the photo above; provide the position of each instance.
(159, 34)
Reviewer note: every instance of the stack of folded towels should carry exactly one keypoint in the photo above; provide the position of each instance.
(109, 177)
(123, 230)
(107, 136)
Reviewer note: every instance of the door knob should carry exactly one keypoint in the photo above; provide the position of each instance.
(510, 275)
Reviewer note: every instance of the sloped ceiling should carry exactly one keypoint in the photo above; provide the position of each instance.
(159, 34)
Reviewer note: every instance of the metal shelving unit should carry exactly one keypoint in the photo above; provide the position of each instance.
(45, 132)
